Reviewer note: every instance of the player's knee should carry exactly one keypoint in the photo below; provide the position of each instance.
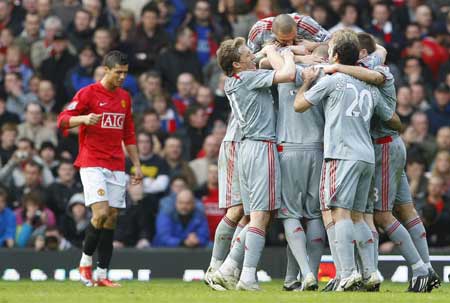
(235, 213)
(99, 217)
(260, 219)
(405, 212)
(383, 218)
(357, 216)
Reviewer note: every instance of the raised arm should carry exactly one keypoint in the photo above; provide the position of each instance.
(361, 73)
(287, 71)
(300, 103)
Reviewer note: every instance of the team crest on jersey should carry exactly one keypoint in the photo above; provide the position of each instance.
(72, 105)
(123, 103)
(113, 120)
(101, 192)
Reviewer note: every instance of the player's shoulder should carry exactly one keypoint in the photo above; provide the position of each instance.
(260, 26)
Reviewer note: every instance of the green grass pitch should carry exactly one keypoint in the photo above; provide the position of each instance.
(161, 290)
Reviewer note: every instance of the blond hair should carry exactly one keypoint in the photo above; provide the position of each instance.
(228, 53)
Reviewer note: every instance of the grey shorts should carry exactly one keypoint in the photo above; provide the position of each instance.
(345, 184)
(390, 182)
(259, 176)
(300, 173)
(229, 188)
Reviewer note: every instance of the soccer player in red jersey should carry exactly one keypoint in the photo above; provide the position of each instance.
(103, 112)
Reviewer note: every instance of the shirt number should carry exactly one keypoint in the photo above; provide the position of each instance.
(359, 103)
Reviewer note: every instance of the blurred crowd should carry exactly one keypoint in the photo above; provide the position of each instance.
(49, 49)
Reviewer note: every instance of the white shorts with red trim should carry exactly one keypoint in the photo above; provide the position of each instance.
(229, 188)
(259, 176)
(101, 184)
(390, 185)
(345, 184)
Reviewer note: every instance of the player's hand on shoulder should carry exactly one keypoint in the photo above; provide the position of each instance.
(331, 69)
(92, 119)
(310, 74)
(311, 59)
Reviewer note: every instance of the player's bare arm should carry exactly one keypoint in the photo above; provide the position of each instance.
(309, 75)
(132, 151)
(361, 73)
(287, 72)
(395, 123)
(90, 119)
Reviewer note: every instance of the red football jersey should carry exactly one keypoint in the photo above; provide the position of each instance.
(100, 145)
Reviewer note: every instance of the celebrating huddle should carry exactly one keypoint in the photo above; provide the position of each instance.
(330, 156)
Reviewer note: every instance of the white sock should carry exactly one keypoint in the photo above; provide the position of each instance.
(228, 267)
(85, 260)
(215, 264)
(101, 273)
(248, 275)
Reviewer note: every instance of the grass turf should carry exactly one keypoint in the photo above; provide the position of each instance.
(161, 290)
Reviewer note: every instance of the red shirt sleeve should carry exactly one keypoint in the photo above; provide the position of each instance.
(129, 133)
(78, 106)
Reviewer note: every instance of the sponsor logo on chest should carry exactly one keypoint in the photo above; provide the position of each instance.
(113, 120)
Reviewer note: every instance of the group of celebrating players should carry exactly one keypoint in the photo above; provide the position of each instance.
(329, 156)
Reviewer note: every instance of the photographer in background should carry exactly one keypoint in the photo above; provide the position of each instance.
(32, 219)
(52, 240)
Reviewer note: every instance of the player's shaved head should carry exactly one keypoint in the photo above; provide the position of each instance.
(321, 51)
(367, 42)
(283, 24)
(229, 52)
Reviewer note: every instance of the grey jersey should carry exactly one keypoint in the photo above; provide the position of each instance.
(292, 127)
(233, 133)
(252, 103)
(349, 105)
(389, 95)
(371, 61)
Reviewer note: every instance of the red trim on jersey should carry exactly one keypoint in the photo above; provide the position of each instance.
(230, 172)
(260, 26)
(271, 159)
(236, 76)
(385, 177)
(280, 148)
(322, 185)
(333, 166)
(384, 140)
(307, 27)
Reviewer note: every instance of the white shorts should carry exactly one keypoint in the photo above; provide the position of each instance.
(102, 184)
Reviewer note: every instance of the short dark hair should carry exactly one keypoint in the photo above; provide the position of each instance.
(180, 32)
(228, 53)
(343, 8)
(366, 41)
(150, 7)
(348, 52)
(149, 112)
(114, 58)
(34, 164)
(30, 142)
(63, 162)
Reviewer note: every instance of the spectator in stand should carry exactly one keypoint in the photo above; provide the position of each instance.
(152, 125)
(32, 219)
(209, 194)
(439, 113)
(75, 220)
(177, 184)
(79, 31)
(6, 40)
(435, 212)
(419, 97)
(155, 181)
(63, 188)
(384, 30)
(422, 137)
(214, 110)
(7, 221)
(17, 98)
(15, 63)
(111, 13)
(208, 33)
(200, 166)
(265, 9)
(414, 70)
(405, 110)
(47, 158)
(185, 226)
(443, 138)
(44, 9)
(173, 150)
(424, 18)
(442, 169)
(34, 84)
(7, 17)
(7, 142)
(46, 97)
(150, 40)
(194, 131)
(66, 10)
(127, 26)
(51, 240)
(171, 15)
(320, 13)
(103, 42)
(151, 86)
(5, 115)
(415, 171)
(170, 120)
(179, 59)
(83, 73)
(32, 128)
(183, 97)
(55, 68)
(348, 13)
(95, 8)
(30, 34)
